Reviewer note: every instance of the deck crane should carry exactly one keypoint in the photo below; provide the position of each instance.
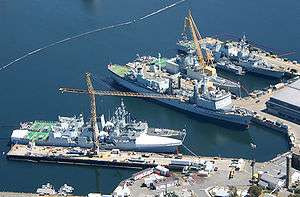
(92, 93)
(197, 38)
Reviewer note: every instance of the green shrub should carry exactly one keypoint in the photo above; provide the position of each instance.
(254, 191)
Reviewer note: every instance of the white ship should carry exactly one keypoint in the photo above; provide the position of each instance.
(120, 132)
(215, 104)
(126, 134)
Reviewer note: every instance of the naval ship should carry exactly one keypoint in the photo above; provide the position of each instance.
(120, 132)
(242, 54)
(126, 134)
(199, 98)
(227, 65)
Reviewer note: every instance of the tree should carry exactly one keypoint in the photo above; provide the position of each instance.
(294, 195)
(233, 191)
(254, 191)
(297, 190)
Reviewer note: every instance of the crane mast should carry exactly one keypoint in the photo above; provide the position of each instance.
(90, 91)
(193, 28)
(197, 38)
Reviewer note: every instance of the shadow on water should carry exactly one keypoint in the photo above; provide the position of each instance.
(93, 6)
(249, 81)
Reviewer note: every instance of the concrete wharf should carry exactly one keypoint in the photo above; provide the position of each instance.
(21, 194)
(106, 158)
(258, 106)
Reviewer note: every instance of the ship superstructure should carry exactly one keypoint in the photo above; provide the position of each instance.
(124, 133)
(199, 97)
(240, 54)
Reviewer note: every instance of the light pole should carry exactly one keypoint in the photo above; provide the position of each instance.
(253, 147)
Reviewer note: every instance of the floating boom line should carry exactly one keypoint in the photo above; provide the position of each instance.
(90, 32)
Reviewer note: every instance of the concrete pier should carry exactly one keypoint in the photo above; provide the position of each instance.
(106, 158)
(258, 106)
(21, 194)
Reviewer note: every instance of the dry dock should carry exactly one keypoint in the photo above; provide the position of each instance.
(123, 159)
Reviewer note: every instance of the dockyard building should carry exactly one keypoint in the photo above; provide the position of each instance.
(286, 103)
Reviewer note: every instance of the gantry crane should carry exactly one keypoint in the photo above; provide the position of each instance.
(206, 62)
(92, 93)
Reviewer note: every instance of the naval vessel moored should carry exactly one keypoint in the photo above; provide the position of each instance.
(199, 98)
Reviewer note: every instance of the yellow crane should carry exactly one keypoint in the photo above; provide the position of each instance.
(92, 93)
(197, 38)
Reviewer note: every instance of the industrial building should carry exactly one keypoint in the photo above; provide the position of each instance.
(286, 103)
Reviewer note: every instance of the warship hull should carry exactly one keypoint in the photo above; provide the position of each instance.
(232, 118)
(265, 72)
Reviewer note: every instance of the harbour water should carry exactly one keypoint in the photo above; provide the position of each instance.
(29, 89)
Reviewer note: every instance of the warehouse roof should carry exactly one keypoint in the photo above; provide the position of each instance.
(289, 95)
(295, 85)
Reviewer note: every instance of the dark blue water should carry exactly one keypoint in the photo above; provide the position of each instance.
(29, 89)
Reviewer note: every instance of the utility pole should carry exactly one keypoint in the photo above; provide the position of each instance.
(253, 147)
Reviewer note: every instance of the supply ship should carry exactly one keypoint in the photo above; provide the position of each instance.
(120, 132)
(199, 98)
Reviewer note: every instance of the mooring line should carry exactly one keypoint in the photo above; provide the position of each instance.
(189, 150)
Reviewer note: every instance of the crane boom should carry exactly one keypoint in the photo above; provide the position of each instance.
(209, 59)
(193, 28)
(119, 93)
(197, 38)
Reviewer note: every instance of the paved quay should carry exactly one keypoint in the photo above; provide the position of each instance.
(20, 194)
(198, 184)
(123, 159)
(192, 184)
(258, 105)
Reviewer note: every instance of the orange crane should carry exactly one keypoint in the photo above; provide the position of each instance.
(92, 93)
(197, 38)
